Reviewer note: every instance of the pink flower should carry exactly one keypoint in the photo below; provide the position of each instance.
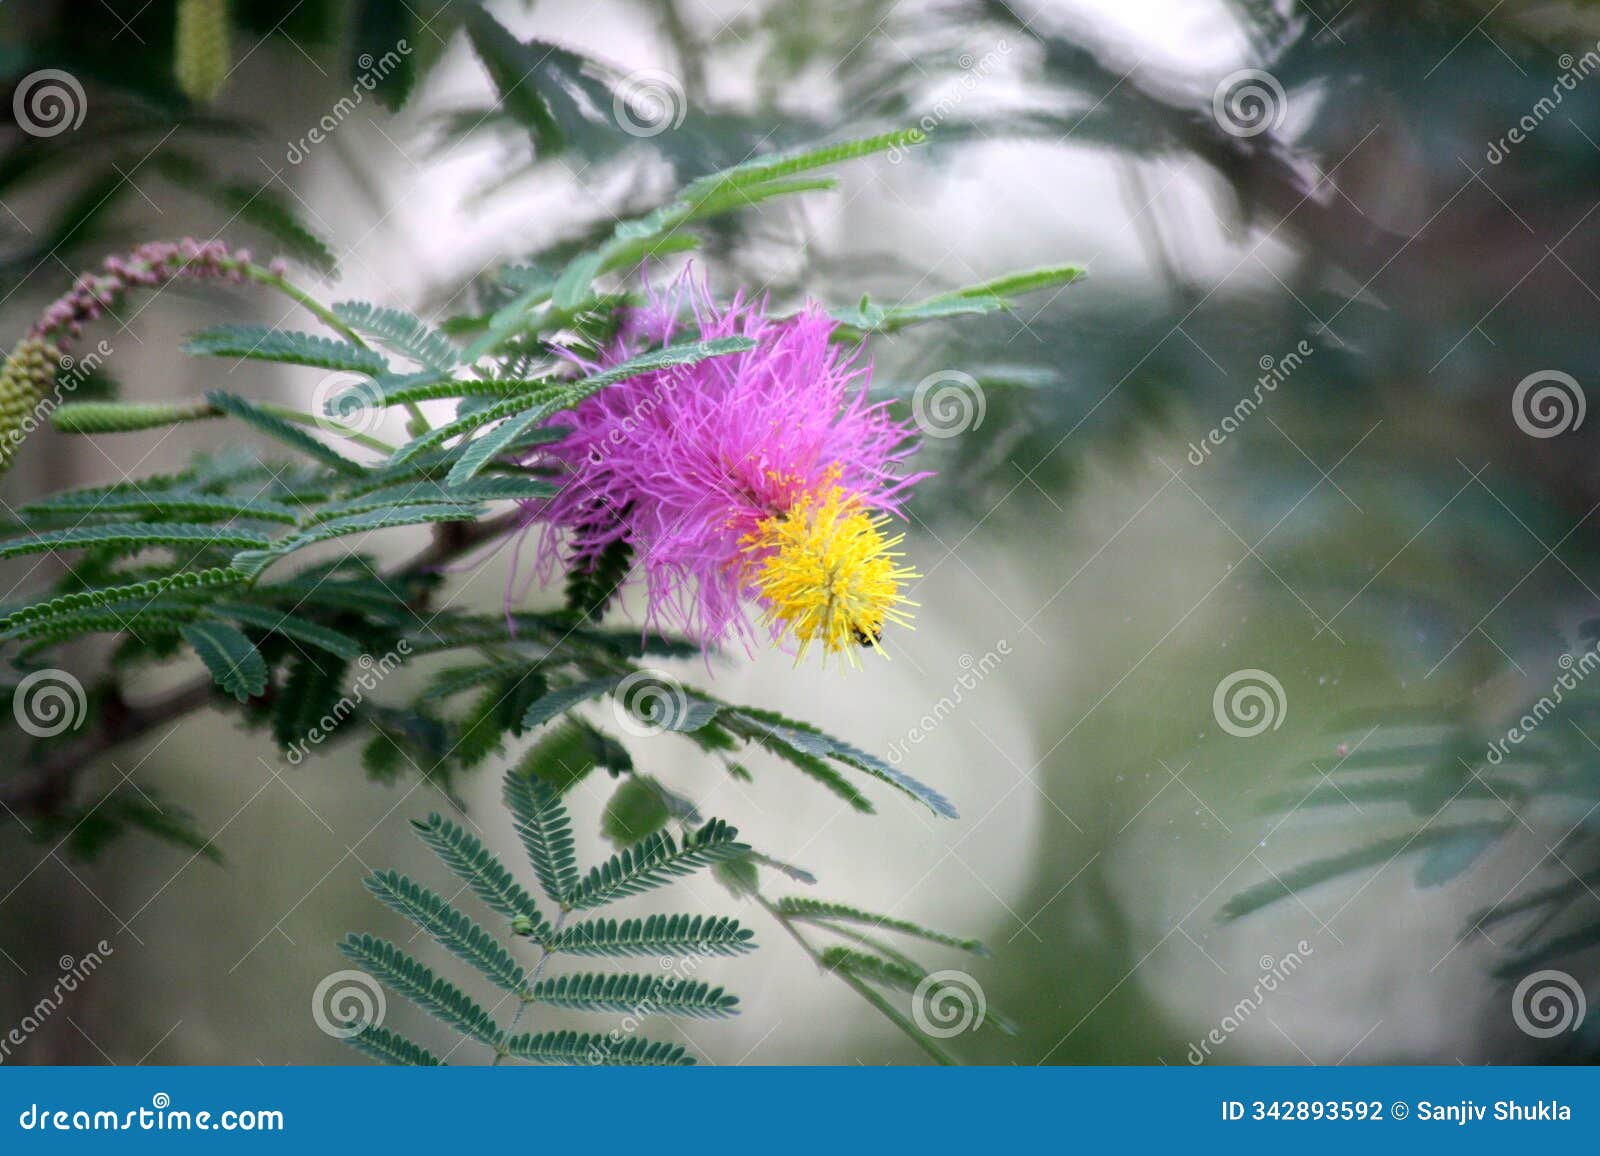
(737, 479)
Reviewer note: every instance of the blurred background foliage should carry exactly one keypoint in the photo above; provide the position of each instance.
(1381, 533)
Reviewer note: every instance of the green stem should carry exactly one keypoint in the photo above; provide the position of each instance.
(533, 978)
(263, 276)
(326, 423)
(861, 988)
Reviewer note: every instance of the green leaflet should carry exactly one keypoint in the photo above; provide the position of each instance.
(657, 935)
(290, 626)
(636, 995)
(419, 985)
(542, 823)
(472, 863)
(567, 395)
(454, 929)
(825, 913)
(234, 661)
(655, 860)
(390, 1047)
(286, 432)
(259, 343)
(574, 1048)
(131, 536)
(402, 332)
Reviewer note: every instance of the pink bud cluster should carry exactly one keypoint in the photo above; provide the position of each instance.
(152, 264)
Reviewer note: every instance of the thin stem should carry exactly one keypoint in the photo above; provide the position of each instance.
(533, 978)
(262, 276)
(860, 987)
(337, 428)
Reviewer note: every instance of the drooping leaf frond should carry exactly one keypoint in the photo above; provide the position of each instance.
(655, 860)
(418, 984)
(637, 995)
(477, 867)
(455, 930)
(578, 1048)
(658, 935)
(389, 1047)
(543, 825)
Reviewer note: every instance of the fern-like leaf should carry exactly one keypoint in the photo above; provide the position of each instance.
(259, 343)
(478, 867)
(454, 929)
(657, 935)
(282, 430)
(578, 1048)
(234, 661)
(542, 823)
(389, 1047)
(132, 536)
(825, 913)
(404, 333)
(653, 861)
(417, 983)
(639, 995)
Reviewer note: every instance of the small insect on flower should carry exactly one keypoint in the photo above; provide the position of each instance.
(763, 477)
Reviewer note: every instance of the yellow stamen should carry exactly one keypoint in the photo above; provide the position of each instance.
(827, 572)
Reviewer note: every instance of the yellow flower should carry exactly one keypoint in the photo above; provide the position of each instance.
(827, 572)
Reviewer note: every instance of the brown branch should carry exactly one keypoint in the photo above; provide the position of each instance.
(45, 787)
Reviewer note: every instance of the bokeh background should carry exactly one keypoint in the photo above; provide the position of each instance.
(1386, 209)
